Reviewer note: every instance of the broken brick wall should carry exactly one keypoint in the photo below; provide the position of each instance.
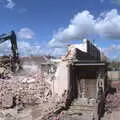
(30, 89)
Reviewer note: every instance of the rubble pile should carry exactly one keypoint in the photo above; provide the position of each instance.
(30, 89)
(113, 101)
(56, 108)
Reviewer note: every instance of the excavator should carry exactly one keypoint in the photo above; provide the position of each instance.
(9, 63)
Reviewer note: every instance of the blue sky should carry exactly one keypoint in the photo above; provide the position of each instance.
(42, 25)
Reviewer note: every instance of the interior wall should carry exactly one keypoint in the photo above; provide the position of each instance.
(91, 88)
(90, 85)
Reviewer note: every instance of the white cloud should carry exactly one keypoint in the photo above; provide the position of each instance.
(80, 26)
(84, 25)
(24, 48)
(59, 51)
(26, 33)
(108, 25)
(10, 4)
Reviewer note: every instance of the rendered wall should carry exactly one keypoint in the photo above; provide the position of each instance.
(114, 75)
(61, 78)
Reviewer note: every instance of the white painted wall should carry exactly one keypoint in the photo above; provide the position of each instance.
(61, 78)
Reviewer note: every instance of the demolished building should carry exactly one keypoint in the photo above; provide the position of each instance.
(81, 65)
(83, 76)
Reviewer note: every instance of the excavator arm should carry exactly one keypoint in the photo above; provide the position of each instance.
(15, 55)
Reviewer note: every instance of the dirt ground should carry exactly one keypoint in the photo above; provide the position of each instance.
(12, 114)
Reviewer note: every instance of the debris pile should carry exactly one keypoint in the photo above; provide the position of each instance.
(113, 101)
(56, 108)
(30, 89)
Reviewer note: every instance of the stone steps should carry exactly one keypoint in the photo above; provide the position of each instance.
(82, 109)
